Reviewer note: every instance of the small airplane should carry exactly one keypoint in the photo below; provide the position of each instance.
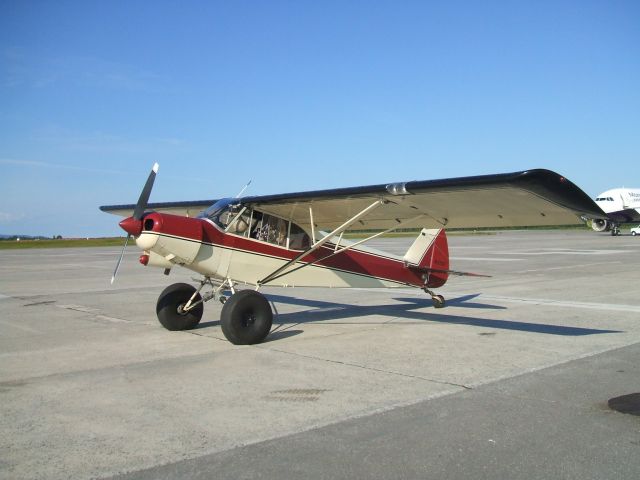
(622, 205)
(298, 239)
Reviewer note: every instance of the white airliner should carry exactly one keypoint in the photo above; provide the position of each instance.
(622, 205)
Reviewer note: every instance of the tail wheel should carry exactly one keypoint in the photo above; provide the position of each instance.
(438, 301)
(246, 318)
(170, 307)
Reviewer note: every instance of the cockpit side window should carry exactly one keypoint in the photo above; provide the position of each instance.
(277, 231)
(269, 228)
(298, 238)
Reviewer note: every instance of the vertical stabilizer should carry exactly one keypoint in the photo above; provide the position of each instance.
(430, 253)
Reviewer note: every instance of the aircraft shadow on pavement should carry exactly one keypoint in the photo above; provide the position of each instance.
(323, 311)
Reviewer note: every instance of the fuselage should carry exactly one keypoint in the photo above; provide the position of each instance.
(201, 245)
(622, 205)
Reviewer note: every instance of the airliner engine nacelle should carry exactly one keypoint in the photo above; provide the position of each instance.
(600, 225)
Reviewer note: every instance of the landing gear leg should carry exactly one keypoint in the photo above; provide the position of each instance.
(223, 298)
(438, 300)
(615, 230)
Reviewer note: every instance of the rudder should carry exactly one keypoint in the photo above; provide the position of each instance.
(429, 253)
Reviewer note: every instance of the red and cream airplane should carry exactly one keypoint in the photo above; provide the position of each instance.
(297, 239)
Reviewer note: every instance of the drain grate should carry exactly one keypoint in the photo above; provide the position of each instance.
(626, 404)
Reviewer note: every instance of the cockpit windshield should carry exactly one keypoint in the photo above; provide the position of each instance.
(221, 212)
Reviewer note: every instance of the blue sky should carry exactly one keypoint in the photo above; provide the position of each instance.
(303, 95)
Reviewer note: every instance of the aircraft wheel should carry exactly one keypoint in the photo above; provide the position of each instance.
(246, 318)
(438, 301)
(169, 307)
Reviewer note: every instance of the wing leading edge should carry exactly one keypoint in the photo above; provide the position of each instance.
(188, 209)
(528, 198)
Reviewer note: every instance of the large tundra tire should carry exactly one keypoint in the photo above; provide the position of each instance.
(170, 304)
(246, 318)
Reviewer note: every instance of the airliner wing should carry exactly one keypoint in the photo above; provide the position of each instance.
(629, 215)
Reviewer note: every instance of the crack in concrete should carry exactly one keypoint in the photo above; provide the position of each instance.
(364, 367)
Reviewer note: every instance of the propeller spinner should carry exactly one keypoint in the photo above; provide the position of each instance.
(133, 225)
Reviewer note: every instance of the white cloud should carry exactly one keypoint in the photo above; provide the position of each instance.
(38, 164)
(23, 68)
(103, 142)
(10, 217)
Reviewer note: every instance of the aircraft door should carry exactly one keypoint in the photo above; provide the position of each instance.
(225, 260)
(624, 196)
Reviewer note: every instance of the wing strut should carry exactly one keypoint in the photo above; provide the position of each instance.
(323, 240)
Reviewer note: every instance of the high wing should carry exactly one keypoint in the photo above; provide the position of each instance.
(185, 209)
(528, 198)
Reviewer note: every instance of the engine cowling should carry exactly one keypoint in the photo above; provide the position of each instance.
(600, 225)
(172, 238)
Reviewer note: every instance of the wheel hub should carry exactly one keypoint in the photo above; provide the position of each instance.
(248, 319)
(181, 310)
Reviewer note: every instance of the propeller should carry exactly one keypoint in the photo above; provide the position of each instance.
(133, 225)
(115, 272)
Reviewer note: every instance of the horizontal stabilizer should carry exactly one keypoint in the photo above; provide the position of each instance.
(450, 272)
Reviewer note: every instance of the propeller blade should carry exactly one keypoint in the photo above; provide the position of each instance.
(115, 272)
(146, 192)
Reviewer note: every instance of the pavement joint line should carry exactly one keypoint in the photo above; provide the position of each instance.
(487, 259)
(94, 313)
(75, 373)
(538, 301)
(79, 308)
(551, 365)
(20, 327)
(195, 333)
(566, 267)
(112, 319)
(563, 303)
(364, 367)
(149, 289)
